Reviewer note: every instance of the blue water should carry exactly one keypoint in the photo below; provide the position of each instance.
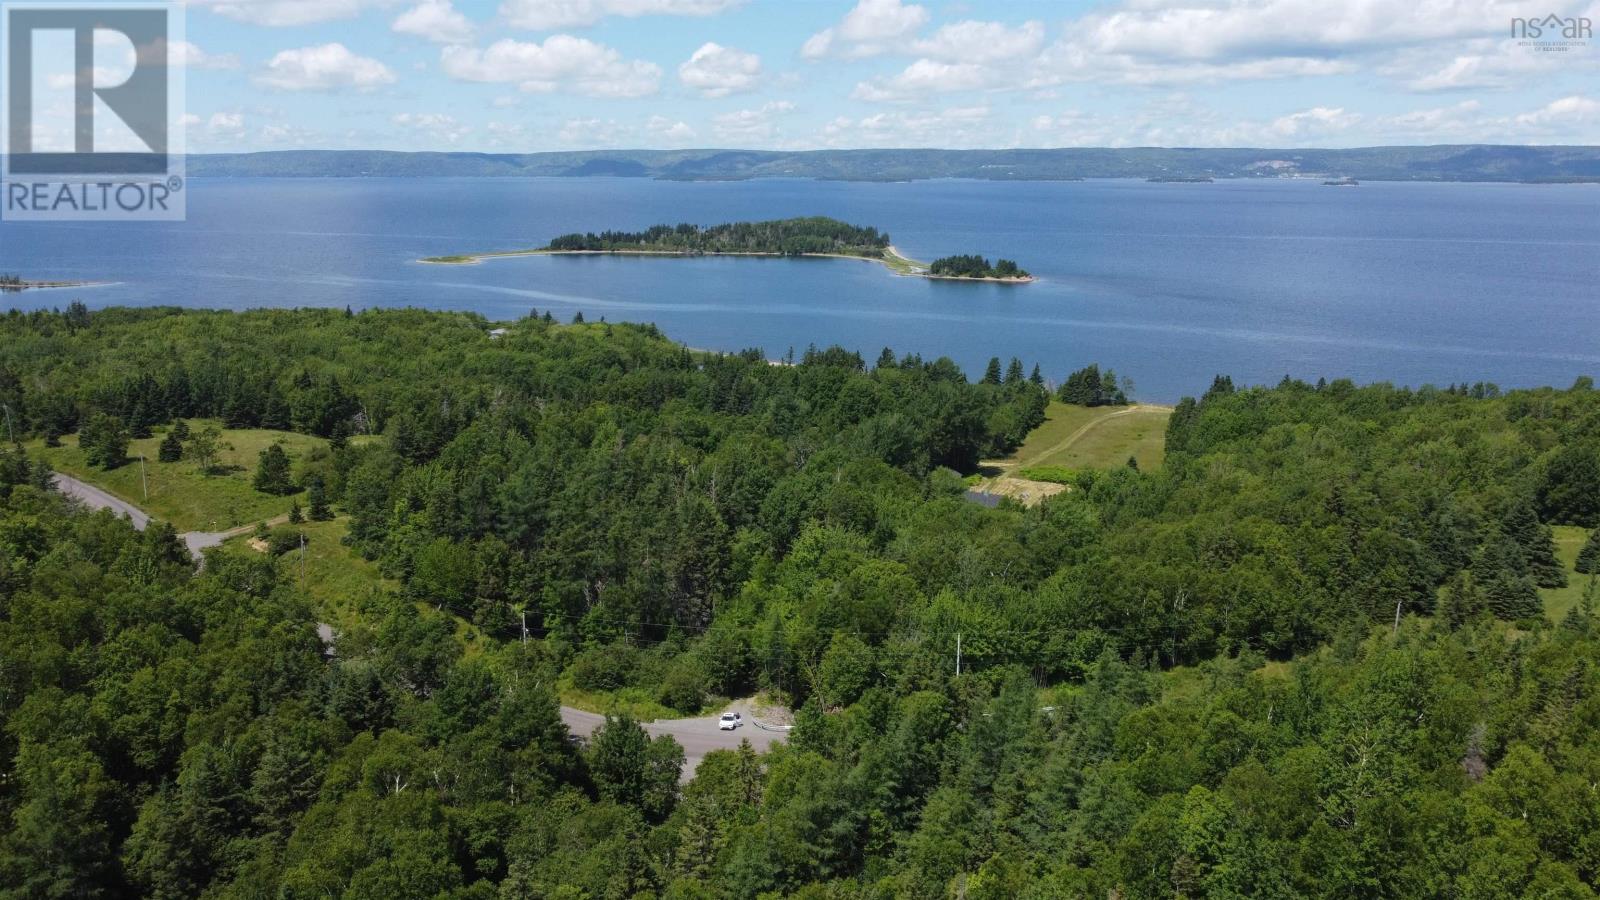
(1166, 283)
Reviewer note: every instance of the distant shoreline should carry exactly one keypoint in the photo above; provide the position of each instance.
(891, 260)
(20, 286)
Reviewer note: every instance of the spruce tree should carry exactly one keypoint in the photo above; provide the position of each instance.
(991, 374)
(1462, 601)
(296, 517)
(317, 498)
(1037, 377)
(1510, 594)
(1522, 526)
(1014, 372)
(1589, 556)
(272, 472)
(171, 449)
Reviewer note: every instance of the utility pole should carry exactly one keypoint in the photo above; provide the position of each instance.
(1397, 606)
(958, 654)
(144, 485)
(302, 561)
(11, 433)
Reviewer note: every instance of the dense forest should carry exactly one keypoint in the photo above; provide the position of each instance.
(975, 267)
(791, 237)
(1306, 657)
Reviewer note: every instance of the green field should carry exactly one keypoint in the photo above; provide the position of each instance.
(1081, 437)
(1569, 540)
(336, 578)
(178, 492)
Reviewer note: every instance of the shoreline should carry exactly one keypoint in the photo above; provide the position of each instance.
(891, 259)
(50, 286)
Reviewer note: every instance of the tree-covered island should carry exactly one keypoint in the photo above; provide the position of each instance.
(977, 267)
(805, 236)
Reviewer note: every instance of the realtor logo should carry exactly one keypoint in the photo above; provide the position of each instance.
(1552, 33)
(91, 107)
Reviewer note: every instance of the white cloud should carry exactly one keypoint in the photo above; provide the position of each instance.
(981, 42)
(504, 135)
(328, 67)
(1481, 64)
(435, 20)
(178, 54)
(1314, 122)
(592, 132)
(226, 125)
(1568, 111)
(1204, 30)
(549, 15)
(561, 61)
(962, 126)
(870, 28)
(926, 76)
(717, 71)
(668, 130)
(283, 13)
(437, 125)
(752, 124)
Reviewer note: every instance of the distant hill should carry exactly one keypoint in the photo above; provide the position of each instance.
(1470, 162)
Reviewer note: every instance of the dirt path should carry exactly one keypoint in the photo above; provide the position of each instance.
(1067, 442)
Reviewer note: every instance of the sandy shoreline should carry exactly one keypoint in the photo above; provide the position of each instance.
(892, 260)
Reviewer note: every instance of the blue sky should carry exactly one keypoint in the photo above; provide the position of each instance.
(529, 75)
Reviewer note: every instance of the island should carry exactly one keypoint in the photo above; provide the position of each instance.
(977, 268)
(810, 236)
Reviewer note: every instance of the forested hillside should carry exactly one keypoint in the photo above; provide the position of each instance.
(1305, 657)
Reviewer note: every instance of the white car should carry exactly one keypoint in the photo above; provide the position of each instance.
(730, 721)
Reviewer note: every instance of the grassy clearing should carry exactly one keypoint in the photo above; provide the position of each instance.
(1140, 432)
(1100, 437)
(1569, 540)
(1061, 421)
(336, 578)
(178, 492)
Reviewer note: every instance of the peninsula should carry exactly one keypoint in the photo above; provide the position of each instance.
(814, 236)
(12, 284)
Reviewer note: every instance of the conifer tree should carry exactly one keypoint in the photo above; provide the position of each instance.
(1589, 556)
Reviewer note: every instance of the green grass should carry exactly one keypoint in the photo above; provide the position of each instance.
(1569, 540)
(1052, 474)
(1082, 437)
(1141, 434)
(178, 492)
(634, 701)
(336, 577)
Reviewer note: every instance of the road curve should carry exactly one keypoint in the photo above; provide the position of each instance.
(95, 498)
(698, 736)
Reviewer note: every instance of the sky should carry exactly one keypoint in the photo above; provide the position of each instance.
(532, 75)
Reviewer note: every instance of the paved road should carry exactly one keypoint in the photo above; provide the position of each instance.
(697, 736)
(95, 498)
